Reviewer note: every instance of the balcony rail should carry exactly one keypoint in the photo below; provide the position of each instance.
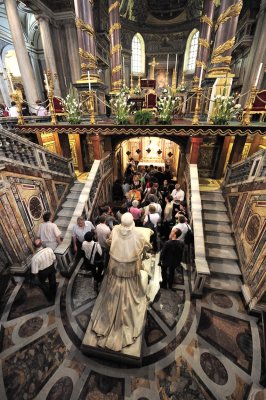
(14, 148)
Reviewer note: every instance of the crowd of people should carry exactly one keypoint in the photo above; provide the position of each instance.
(39, 110)
(154, 202)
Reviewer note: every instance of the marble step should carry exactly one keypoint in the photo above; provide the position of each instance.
(220, 239)
(73, 195)
(231, 283)
(62, 222)
(77, 187)
(66, 212)
(219, 227)
(70, 203)
(221, 252)
(228, 267)
(215, 216)
(212, 197)
(213, 206)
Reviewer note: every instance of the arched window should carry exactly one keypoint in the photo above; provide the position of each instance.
(138, 55)
(191, 51)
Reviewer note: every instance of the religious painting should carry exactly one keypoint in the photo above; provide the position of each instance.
(48, 142)
(152, 149)
(72, 143)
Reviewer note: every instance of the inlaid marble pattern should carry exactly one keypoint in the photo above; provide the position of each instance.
(202, 349)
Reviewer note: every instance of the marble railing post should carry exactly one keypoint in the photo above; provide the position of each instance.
(86, 39)
(204, 39)
(48, 49)
(225, 28)
(25, 66)
(115, 45)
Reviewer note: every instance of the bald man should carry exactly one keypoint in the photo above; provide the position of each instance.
(43, 265)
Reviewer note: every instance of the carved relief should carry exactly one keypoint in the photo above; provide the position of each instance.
(253, 228)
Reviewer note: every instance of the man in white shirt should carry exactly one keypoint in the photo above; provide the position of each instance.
(43, 265)
(13, 112)
(48, 232)
(79, 231)
(96, 265)
(183, 226)
(103, 232)
(154, 217)
(178, 194)
(158, 208)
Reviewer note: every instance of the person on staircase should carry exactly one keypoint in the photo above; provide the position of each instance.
(48, 232)
(78, 233)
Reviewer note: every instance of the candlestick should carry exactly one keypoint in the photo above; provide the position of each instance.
(89, 80)
(258, 74)
(201, 73)
(175, 61)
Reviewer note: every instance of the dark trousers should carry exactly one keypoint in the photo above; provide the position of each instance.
(49, 273)
(168, 274)
(96, 270)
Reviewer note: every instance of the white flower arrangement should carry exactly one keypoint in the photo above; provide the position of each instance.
(166, 106)
(120, 107)
(72, 106)
(224, 109)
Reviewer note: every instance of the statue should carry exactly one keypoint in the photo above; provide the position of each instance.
(118, 315)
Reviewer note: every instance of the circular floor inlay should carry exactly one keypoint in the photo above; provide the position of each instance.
(62, 389)
(30, 327)
(221, 300)
(213, 368)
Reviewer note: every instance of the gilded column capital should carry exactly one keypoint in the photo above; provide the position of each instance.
(230, 12)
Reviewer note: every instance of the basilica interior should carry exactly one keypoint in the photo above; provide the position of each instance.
(87, 88)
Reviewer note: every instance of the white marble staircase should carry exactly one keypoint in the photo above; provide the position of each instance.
(68, 207)
(219, 244)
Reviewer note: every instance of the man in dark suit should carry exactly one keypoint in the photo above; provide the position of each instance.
(170, 258)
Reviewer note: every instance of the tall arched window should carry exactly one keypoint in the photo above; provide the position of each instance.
(138, 55)
(191, 51)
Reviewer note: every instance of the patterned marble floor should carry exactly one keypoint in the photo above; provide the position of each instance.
(194, 349)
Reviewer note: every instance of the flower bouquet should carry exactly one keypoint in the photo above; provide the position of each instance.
(166, 106)
(72, 106)
(224, 109)
(120, 108)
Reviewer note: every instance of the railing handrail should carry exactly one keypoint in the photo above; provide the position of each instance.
(254, 155)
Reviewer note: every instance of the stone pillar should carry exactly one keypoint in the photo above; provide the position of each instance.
(257, 54)
(25, 67)
(72, 50)
(204, 39)
(225, 37)
(115, 44)
(225, 142)
(194, 150)
(256, 141)
(97, 149)
(44, 25)
(86, 39)
(237, 149)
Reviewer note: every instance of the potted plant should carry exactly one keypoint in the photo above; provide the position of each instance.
(142, 117)
(224, 109)
(120, 107)
(72, 106)
(166, 106)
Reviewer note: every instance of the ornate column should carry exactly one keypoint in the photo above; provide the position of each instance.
(115, 44)
(237, 149)
(86, 39)
(25, 67)
(44, 25)
(225, 28)
(204, 39)
(72, 50)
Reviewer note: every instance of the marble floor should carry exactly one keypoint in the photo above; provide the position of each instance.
(193, 349)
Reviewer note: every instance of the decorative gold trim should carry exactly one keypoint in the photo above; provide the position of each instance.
(207, 20)
(87, 55)
(80, 24)
(230, 12)
(204, 43)
(117, 83)
(86, 67)
(221, 59)
(114, 27)
(115, 49)
(223, 47)
(201, 63)
(116, 69)
(113, 6)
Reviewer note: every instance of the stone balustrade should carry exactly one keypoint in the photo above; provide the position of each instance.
(85, 206)
(14, 148)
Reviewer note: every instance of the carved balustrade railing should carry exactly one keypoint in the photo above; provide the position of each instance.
(85, 206)
(251, 169)
(199, 268)
(14, 148)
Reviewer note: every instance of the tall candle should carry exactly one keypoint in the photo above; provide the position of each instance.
(201, 73)
(46, 82)
(167, 64)
(89, 80)
(258, 74)
(124, 75)
(175, 61)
